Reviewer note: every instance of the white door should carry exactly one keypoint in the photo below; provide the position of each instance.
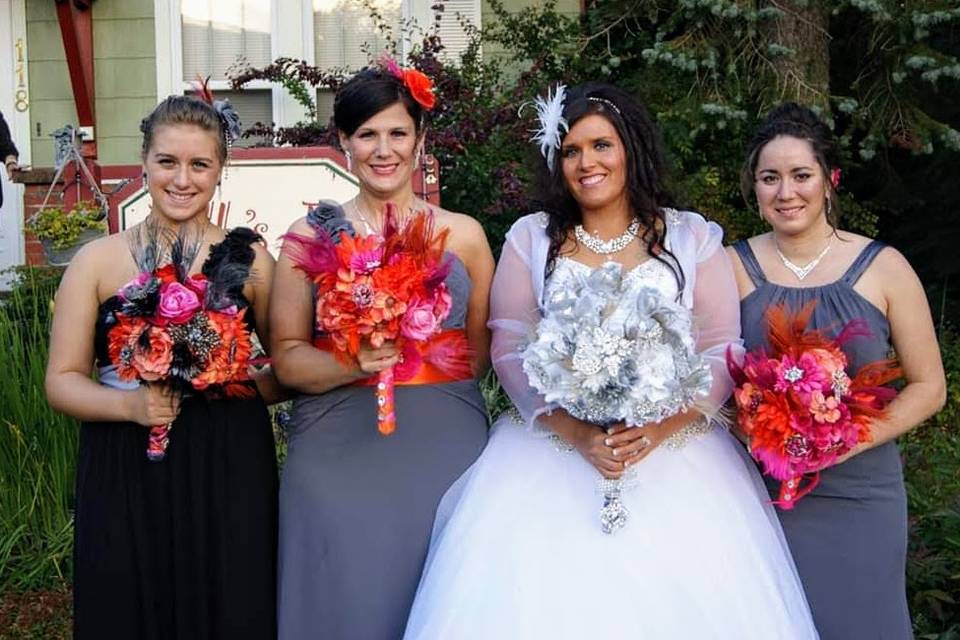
(14, 103)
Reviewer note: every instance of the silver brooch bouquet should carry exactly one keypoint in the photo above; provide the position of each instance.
(608, 353)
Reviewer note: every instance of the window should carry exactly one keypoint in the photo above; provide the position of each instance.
(346, 33)
(215, 35)
(344, 28)
(206, 37)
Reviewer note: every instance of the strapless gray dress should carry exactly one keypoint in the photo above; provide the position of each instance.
(356, 507)
(849, 536)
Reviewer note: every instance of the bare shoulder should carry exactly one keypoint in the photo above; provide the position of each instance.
(103, 255)
(261, 254)
(892, 264)
(459, 223)
(301, 226)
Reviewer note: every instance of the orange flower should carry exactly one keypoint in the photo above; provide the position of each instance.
(122, 342)
(152, 360)
(166, 274)
(771, 423)
(420, 88)
(228, 361)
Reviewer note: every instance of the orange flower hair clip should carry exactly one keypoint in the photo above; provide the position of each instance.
(416, 82)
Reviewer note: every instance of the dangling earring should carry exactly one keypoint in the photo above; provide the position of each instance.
(829, 207)
(144, 185)
(219, 192)
(349, 160)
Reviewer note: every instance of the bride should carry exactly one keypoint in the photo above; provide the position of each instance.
(517, 550)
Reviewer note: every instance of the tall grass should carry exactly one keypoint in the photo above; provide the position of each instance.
(37, 446)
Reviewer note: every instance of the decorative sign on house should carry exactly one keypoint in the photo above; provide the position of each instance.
(267, 189)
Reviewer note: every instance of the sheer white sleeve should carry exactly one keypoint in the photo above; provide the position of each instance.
(515, 312)
(716, 310)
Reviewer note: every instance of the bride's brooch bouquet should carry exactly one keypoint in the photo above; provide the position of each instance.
(607, 354)
(182, 330)
(387, 288)
(798, 406)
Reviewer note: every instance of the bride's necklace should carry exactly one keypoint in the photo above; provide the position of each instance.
(606, 247)
(804, 271)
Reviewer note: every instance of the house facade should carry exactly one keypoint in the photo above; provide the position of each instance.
(144, 50)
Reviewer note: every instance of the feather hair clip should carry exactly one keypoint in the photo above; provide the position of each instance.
(552, 123)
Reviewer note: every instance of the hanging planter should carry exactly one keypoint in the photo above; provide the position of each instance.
(62, 233)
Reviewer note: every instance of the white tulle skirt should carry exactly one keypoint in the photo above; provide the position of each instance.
(518, 552)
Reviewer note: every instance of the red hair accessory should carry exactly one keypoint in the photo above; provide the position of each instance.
(835, 177)
(416, 82)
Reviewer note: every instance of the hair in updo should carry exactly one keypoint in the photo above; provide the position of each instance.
(185, 110)
(646, 168)
(796, 121)
(368, 93)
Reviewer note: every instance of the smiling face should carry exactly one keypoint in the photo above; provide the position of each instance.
(183, 169)
(790, 186)
(383, 151)
(594, 164)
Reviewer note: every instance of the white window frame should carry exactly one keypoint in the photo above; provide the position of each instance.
(286, 17)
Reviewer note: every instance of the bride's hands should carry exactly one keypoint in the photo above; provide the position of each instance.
(600, 449)
(630, 445)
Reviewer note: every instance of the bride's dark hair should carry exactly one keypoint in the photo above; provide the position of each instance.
(646, 166)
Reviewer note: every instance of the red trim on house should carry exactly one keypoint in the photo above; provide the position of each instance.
(76, 30)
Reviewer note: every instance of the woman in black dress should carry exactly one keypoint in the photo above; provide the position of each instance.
(185, 547)
(849, 536)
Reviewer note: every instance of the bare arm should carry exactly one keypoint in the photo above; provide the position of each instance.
(915, 342)
(474, 251)
(259, 296)
(296, 362)
(68, 384)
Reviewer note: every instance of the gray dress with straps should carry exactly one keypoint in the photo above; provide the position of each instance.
(356, 507)
(849, 536)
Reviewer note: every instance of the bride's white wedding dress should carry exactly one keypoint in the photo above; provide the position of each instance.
(518, 551)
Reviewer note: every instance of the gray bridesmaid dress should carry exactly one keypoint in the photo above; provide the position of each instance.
(357, 507)
(849, 536)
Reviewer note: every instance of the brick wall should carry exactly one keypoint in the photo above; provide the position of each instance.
(36, 183)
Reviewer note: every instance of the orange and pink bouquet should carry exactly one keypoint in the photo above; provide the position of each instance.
(183, 331)
(797, 404)
(380, 289)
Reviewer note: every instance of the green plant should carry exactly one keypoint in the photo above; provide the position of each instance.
(37, 446)
(931, 455)
(63, 228)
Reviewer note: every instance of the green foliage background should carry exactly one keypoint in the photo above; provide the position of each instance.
(708, 70)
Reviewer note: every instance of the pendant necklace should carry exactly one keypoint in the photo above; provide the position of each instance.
(606, 247)
(804, 271)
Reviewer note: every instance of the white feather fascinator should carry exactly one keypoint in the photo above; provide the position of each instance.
(552, 123)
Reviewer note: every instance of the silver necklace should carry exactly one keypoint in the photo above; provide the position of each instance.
(804, 271)
(606, 247)
(370, 228)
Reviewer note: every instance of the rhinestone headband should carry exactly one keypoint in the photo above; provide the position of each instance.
(605, 102)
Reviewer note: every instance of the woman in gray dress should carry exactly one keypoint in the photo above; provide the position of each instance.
(849, 536)
(356, 507)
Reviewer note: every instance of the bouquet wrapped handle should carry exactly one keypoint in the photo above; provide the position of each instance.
(386, 409)
(158, 441)
(793, 489)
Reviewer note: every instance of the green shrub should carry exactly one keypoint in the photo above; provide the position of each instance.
(38, 447)
(932, 468)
